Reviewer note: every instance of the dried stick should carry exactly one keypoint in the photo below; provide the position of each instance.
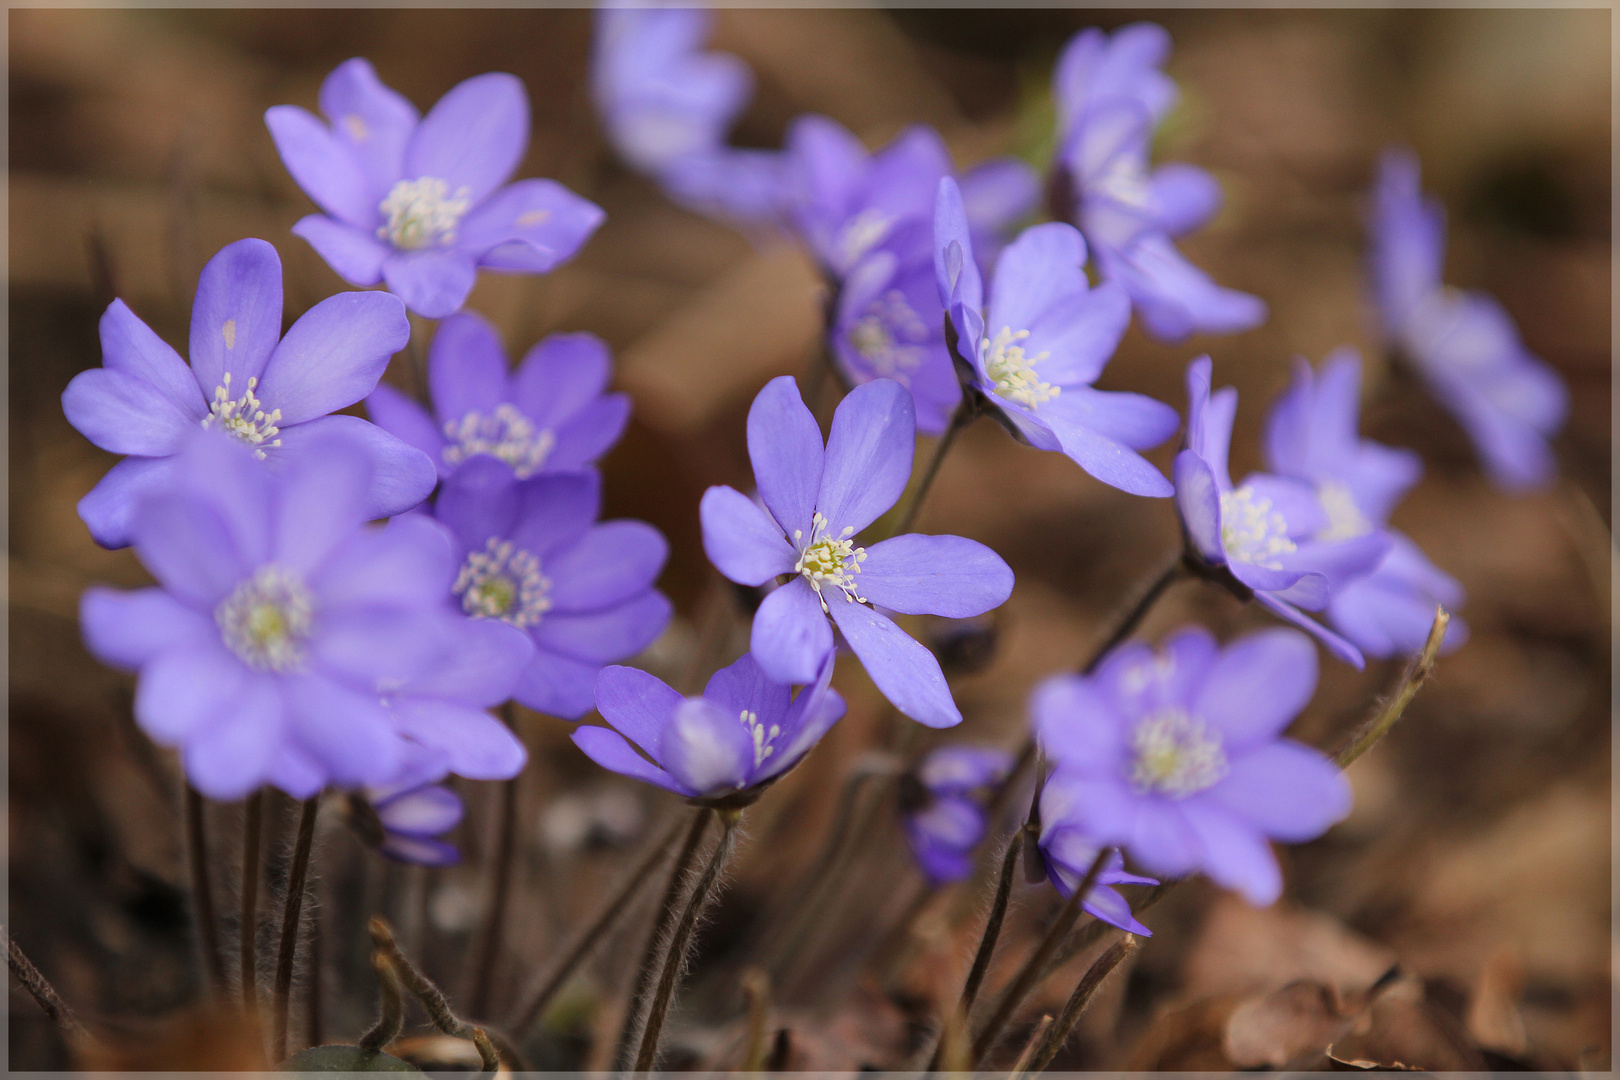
(1084, 991)
(676, 956)
(202, 891)
(550, 982)
(24, 971)
(291, 916)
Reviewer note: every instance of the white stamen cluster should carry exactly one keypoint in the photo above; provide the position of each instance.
(507, 434)
(420, 213)
(878, 336)
(1251, 531)
(266, 619)
(244, 417)
(1345, 519)
(503, 582)
(761, 736)
(829, 561)
(865, 232)
(1175, 755)
(1012, 372)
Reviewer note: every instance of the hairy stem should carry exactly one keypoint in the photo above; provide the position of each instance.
(987, 942)
(1030, 974)
(488, 956)
(492, 1047)
(392, 1005)
(1036, 1037)
(39, 988)
(1138, 611)
(202, 891)
(535, 1002)
(961, 418)
(1084, 991)
(675, 957)
(248, 945)
(667, 913)
(291, 918)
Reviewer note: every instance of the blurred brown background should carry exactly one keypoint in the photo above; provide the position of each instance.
(1479, 852)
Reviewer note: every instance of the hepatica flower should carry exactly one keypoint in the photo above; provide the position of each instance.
(943, 811)
(1177, 756)
(276, 619)
(745, 731)
(1043, 339)
(1276, 534)
(273, 394)
(423, 203)
(1463, 344)
(1067, 852)
(817, 500)
(550, 415)
(1110, 95)
(668, 107)
(531, 555)
(404, 818)
(1311, 436)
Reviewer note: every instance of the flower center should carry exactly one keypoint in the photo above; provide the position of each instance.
(1012, 372)
(506, 434)
(267, 618)
(243, 416)
(422, 212)
(503, 582)
(1345, 519)
(887, 336)
(762, 737)
(868, 229)
(1175, 755)
(1251, 531)
(829, 561)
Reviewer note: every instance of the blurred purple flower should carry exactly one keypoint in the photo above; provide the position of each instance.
(1311, 436)
(744, 732)
(1463, 344)
(1177, 757)
(1067, 851)
(668, 107)
(420, 203)
(550, 415)
(819, 499)
(273, 393)
(947, 817)
(1048, 325)
(532, 555)
(410, 813)
(1273, 532)
(1110, 95)
(276, 619)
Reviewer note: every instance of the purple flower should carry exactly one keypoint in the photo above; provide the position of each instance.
(1463, 344)
(944, 817)
(531, 556)
(1110, 96)
(1067, 851)
(273, 393)
(1273, 533)
(668, 107)
(1177, 757)
(278, 620)
(420, 203)
(550, 415)
(818, 500)
(407, 815)
(744, 732)
(1045, 337)
(1311, 436)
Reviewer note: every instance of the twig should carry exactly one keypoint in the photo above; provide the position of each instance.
(291, 917)
(24, 971)
(1034, 968)
(667, 912)
(202, 891)
(675, 956)
(550, 982)
(1084, 991)
(252, 829)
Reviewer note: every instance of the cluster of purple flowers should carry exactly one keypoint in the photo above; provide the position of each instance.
(292, 640)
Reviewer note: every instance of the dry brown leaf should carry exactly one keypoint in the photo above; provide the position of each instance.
(1244, 948)
(1273, 1029)
(1493, 1013)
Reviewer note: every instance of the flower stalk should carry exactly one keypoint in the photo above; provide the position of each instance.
(248, 945)
(483, 976)
(1086, 989)
(291, 919)
(202, 891)
(964, 415)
